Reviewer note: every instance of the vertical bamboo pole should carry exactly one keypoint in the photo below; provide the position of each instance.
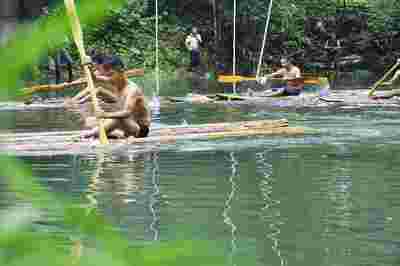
(78, 38)
(234, 44)
(264, 39)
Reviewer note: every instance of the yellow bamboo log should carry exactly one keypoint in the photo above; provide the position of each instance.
(223, 134)
(234, 78)
(237, 78)
(79, 82)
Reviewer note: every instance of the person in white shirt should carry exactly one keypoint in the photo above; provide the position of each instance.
(193, 42)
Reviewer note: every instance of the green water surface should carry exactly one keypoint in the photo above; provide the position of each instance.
(331, 198)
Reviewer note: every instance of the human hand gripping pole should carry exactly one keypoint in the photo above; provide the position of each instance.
(263, 80)
(78, 38)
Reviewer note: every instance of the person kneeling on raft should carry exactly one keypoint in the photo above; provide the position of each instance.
(288, 72)
(134, 117)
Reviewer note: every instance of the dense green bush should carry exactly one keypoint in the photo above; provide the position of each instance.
(130, 33)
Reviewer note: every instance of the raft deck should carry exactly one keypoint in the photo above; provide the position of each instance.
(333, 99)
(71, 143)
(341, 99)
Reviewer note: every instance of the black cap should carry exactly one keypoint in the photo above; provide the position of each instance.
(115, 62)
(98, 59)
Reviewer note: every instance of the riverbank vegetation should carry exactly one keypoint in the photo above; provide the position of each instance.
(307, 30)
(326, 35)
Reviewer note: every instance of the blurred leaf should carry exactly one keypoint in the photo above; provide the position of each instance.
(43, 35)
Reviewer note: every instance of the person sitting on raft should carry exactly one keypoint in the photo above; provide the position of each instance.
(288, 72)
(134, 118)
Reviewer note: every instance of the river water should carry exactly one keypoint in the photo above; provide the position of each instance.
(331, 198)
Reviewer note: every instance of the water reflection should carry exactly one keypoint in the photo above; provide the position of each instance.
(117, 186)
(340, 194)
(226, 213)
(154, 199)
(94, 182)
(338, 218)
(270, 211)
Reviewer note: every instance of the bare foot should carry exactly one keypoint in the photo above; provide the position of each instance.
(69, 102)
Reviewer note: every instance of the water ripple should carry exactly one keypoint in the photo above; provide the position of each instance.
(226, 213)
(154, 197)
(94, 183)
(270, 211)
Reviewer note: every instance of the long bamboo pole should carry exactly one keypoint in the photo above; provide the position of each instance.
(264, 39)
(82, 81)
(78, 38)
(379, 82)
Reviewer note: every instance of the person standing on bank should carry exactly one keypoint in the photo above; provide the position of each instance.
(291, 74)
(193, 42)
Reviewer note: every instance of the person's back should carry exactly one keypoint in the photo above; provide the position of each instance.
(137, 104)
(293, 76)
(123, 88)
(132, 99)
(290, 73)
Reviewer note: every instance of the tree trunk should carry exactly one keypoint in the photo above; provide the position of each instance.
(214, 9)
(220, 19)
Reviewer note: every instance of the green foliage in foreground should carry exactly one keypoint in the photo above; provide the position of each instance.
(33, 41)
(22, 242)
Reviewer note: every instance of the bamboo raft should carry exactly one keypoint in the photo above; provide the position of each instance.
(341, 99)
(222, 130)
(311, 86)
(71, 143)
(357, 99)
(37, 106)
